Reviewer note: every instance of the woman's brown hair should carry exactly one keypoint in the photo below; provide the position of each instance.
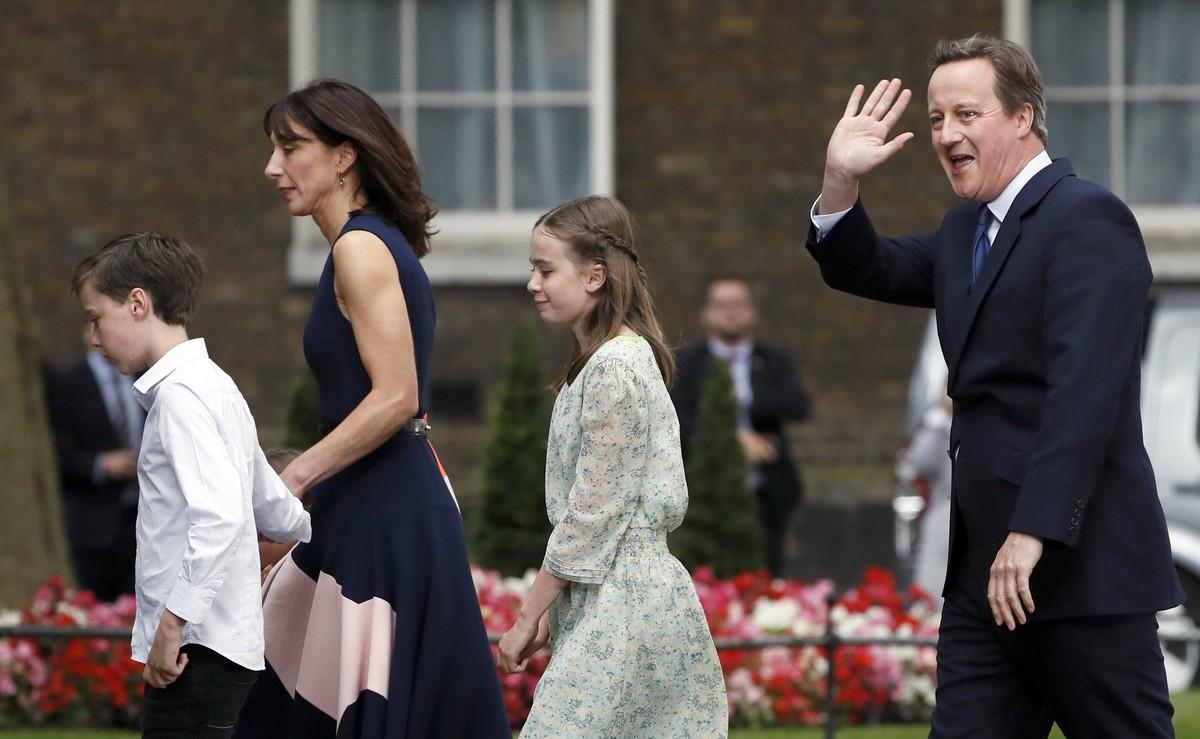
(599, 230)
(337, 112)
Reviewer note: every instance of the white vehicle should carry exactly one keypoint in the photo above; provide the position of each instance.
(1170, 424)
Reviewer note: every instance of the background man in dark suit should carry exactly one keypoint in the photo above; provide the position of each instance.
(97, 426)
(769, 394)
(1059, 555)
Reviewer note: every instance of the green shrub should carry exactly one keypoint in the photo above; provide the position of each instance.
(508, 527)
(302, 424)
(721, 528)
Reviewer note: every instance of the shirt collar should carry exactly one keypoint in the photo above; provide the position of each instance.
(146, 388)
(737, 352)
(1004, 201)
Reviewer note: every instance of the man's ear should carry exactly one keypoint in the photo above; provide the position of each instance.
(139, 303)
(597, 275)
(1025, 119)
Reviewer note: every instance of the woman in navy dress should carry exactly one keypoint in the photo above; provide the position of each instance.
(373, 628)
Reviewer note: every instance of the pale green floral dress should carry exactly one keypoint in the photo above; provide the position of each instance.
(632, 653)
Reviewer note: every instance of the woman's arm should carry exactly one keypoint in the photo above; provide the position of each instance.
(367, 283)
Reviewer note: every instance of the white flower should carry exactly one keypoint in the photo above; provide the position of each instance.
(10, 618)
(775, 615)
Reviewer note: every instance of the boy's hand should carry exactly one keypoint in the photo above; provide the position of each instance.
(165, 664)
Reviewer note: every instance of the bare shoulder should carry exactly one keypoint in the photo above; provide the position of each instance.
(362, 257)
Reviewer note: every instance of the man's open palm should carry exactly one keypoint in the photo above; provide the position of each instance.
(859, 142)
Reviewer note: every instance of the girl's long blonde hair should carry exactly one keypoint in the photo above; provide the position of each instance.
(599, 230)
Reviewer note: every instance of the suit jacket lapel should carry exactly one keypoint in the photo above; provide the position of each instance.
(1006, 240)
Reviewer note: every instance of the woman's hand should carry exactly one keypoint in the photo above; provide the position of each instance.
(515, 645)
(291, 477)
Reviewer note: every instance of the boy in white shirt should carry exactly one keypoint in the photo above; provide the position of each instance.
(204, 488)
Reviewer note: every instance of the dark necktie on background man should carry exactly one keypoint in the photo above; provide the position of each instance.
(981, 242)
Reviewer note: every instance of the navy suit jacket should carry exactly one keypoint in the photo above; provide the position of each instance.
(778, 396)
(93, 514)
(1044, 353)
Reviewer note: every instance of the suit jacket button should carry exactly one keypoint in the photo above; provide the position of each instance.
(1074, 521)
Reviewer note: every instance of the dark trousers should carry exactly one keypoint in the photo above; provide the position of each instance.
(203, 702)
(108, 571)
(1096, 677)
(774, 529)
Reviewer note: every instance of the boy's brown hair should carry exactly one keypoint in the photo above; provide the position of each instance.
(165, 267)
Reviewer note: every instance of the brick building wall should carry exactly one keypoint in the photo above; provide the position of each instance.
(123, 115)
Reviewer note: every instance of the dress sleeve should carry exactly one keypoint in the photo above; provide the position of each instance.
(609, 475)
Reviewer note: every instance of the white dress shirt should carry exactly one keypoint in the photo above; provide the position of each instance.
(825, 222)
(738, 356)
(205, 486)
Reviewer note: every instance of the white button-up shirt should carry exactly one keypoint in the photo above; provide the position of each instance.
(205, 486)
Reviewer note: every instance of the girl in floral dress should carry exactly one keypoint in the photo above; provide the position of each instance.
(632, 653)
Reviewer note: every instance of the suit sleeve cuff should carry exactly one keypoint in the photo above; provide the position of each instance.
(824, 223)
(189, 602)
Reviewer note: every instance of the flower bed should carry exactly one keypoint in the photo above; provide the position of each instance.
(781, 686)
(79, 682)
(92, 682)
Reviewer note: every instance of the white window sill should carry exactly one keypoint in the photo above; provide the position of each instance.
(470, 248)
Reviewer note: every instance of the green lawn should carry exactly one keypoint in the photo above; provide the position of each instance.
(1187, 723)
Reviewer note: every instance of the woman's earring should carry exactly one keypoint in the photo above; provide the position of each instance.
(341, 181)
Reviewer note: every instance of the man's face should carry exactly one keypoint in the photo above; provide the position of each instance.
(981, 148)
(729, 312)
(113, 330)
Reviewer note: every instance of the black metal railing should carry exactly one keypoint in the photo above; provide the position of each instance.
(829, 640)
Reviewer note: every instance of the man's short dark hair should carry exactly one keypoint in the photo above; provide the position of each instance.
(165, 267)
(1018, 80)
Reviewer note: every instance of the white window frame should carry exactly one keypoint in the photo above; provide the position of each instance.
(471, 246)
(1157, 222)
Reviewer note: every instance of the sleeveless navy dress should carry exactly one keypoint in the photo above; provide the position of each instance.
(373, 628)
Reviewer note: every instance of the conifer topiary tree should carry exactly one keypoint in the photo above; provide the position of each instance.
(509, 528)
(302, 424)
(721, 528)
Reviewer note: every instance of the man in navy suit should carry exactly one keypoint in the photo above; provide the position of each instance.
(769, 394)
(1059, 556)
(97, 428)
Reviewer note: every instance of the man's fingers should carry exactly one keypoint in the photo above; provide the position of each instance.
(893, 114)
(897, 143)
(855, 98)
(182, 662)
(994, 600)
(885, 101)
(1013, 598)
(1025, 593)
(869, 106)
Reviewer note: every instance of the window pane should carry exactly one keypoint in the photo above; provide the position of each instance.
(550, 45)
(1163, 144)
(456, 45)
(1081, 132)
(359, 42)
(457, 149)
(1160, 42)
(1070, 41)
(550, 149)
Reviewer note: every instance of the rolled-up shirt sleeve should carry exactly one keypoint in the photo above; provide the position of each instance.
(608, 476)
(211, 488)
(278, 514)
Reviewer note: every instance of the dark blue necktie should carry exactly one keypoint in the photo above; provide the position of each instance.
(981, 243)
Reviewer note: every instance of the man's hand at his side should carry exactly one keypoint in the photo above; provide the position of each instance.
(859, 142)
(1008, 587)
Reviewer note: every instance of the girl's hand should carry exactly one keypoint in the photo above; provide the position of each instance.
(543, 636)
(514, 646)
